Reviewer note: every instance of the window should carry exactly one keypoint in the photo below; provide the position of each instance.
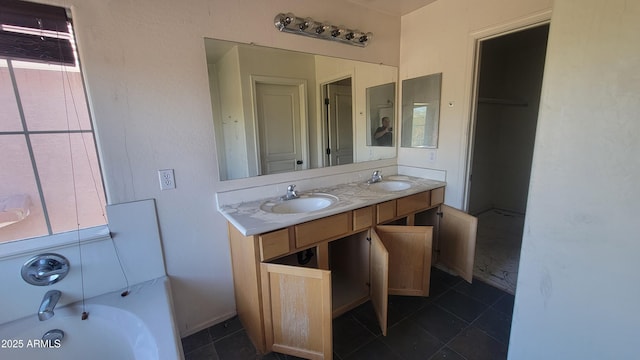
(50, 179)
(419, 121)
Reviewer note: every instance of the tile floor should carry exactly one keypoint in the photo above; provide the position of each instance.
(458, 321)
(498, 246)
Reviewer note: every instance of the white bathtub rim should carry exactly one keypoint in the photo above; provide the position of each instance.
(157, 320)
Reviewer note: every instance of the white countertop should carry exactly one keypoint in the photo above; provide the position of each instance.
(249, 219)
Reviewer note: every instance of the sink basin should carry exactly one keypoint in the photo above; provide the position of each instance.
(304, 204)
(393, 185)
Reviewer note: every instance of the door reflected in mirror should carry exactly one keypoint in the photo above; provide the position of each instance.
(421, 111)
(270, 113)
(381, 114)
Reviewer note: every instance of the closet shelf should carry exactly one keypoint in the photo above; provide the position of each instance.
(500, 101)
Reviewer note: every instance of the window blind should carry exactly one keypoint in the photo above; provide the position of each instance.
(35, 32)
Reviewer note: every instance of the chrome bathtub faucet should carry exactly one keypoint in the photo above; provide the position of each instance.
(48, 304)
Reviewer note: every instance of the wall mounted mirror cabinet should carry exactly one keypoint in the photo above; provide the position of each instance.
(421, 111)
(278, 111)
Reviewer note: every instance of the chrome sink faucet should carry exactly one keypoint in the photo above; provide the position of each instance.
(291, 193)
(375, 177)
(48, 303)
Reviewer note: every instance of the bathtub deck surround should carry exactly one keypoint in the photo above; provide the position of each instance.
(137, 326)
(133, 230)
(377, 239)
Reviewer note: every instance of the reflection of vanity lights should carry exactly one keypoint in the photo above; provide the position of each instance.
(308, 27)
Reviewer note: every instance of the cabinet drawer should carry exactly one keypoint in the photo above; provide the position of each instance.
(385, 211)
(362, 218)
(437, 196)
(274, 244)
(412, 203)
(323, 229)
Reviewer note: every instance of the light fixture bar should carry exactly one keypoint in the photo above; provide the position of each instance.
(289, 23)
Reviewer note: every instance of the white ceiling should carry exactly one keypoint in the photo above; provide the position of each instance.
(393, 7)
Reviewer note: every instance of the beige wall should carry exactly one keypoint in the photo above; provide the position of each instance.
(146, 74)
(440, 37)
(578, 280)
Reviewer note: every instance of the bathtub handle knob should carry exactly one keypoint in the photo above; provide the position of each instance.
(50, 272)
(45, 269)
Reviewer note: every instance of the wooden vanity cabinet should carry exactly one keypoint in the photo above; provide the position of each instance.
(454, 239)
(296, 303)
(288, 307)
(410, 254)
(300, 301)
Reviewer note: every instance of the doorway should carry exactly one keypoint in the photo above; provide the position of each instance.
(509, 76)
(282, 136)
(338, 122)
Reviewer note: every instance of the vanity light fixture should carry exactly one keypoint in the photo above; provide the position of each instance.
(308, 27)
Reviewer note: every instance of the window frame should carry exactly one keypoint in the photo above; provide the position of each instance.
(65, 236)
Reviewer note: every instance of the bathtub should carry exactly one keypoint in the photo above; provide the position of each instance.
(139, 326)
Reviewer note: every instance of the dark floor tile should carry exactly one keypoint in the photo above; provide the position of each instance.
(270, 356)
(411, 341)
(461, 305)
(437, 288)
(496, 324)
(195, 341)
(446, 354)
(480, 291)
(206, 352)
(407, 305)
(444, 277)
(440, 282)
(399, 308)
(367, 317)
(236, 347)
(395, 315)
(349, 335)
(474, 344)
(375, 350)
(505, 304)
(284, 357)
(439, 322)
(225, 328)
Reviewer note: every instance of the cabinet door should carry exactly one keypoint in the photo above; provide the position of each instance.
(457, 241)
(297, 310)
(379, 273)
(409, 250)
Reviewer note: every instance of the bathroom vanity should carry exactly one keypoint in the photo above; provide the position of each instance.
(293, 273)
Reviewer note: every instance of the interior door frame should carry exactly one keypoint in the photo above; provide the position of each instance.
(475, 40)
(323, 114)
(302, 93)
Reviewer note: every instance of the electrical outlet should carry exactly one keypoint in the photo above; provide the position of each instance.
(167, 181)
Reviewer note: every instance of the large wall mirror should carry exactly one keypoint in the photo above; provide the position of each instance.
(421, 111)
(279, 111)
